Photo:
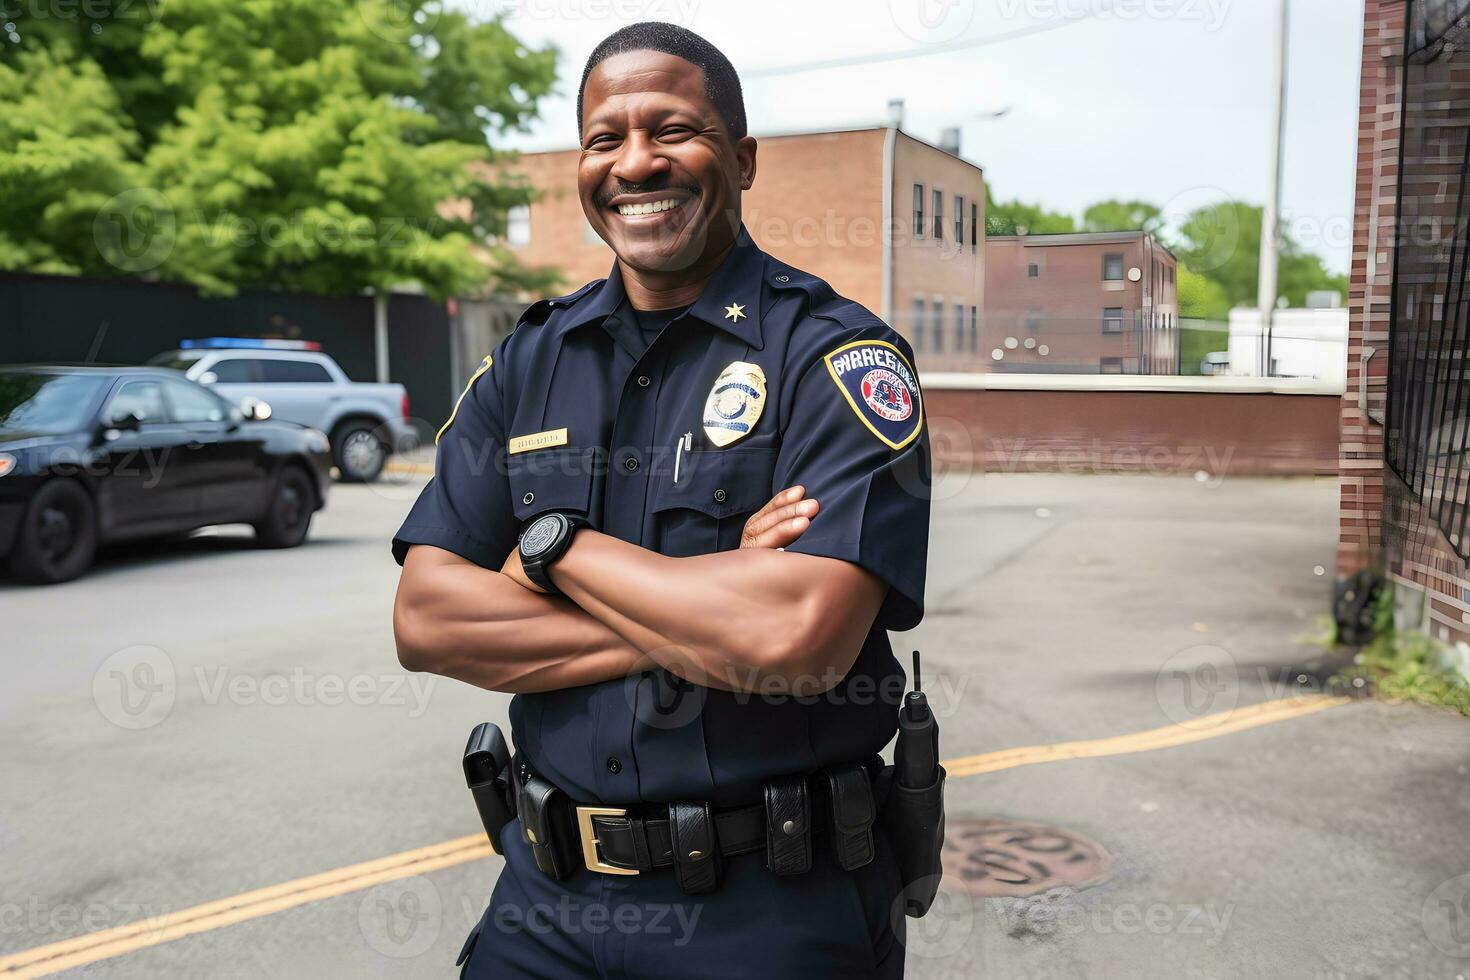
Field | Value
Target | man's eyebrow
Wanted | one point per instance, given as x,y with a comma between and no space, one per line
604,113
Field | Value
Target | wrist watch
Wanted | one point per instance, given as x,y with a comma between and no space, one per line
543,541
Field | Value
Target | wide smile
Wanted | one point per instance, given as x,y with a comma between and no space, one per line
629,210
646,209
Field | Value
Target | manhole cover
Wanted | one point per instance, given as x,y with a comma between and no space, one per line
1009,858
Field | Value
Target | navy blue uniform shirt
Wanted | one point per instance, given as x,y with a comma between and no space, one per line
768,381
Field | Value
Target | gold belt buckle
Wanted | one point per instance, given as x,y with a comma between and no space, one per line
590,856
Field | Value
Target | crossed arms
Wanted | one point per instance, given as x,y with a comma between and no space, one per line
757,618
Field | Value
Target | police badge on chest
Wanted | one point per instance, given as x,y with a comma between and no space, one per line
735,403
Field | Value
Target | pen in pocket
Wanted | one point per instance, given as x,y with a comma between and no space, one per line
684,445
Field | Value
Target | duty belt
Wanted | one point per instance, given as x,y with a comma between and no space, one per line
693,836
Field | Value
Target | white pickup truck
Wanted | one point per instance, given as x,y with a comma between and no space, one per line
365,422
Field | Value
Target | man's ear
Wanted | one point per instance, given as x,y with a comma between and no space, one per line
745,156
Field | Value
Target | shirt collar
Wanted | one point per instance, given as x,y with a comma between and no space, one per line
731,300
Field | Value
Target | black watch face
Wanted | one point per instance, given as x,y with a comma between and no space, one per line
539,536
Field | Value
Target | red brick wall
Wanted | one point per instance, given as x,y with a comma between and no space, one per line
1218,433
1371,289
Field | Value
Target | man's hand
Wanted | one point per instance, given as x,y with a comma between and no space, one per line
781,521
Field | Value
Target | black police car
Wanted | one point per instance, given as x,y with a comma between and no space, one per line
93,455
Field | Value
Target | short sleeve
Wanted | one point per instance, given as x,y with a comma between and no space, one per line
466,508
857,441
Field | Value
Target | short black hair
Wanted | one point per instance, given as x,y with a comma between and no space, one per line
721,83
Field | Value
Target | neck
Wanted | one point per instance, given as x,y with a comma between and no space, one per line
665,291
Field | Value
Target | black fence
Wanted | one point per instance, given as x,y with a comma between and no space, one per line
49,319
1428,418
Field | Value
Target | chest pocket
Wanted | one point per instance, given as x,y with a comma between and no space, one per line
552,479
717,490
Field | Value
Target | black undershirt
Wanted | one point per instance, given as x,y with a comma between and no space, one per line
652,322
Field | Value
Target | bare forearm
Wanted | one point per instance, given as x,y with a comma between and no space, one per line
457,619
752,619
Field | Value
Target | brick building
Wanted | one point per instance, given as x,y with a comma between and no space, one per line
1405,488
894,222
1101,303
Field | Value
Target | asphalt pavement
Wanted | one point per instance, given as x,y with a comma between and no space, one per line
196,719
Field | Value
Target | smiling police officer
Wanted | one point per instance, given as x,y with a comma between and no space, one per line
676,512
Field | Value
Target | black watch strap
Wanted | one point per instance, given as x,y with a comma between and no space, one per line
544,539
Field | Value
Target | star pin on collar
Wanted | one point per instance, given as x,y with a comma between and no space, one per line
734,312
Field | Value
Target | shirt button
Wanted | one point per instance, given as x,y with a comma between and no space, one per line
528,497
613,765
643,381
720,496
631,464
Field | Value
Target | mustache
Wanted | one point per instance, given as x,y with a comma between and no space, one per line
644,187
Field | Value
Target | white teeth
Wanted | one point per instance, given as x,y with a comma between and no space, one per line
654,208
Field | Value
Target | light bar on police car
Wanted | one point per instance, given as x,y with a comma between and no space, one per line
247,343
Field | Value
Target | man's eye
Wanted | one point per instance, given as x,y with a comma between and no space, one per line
602,142
674,134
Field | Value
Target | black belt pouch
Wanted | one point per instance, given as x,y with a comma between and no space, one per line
913,821
850,801
546,820
788,826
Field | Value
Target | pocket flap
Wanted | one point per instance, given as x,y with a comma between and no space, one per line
552,479
718,482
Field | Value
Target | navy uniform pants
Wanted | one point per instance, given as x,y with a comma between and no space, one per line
825,923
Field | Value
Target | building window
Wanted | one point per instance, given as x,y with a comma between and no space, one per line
959,220
974,225
1113,267
938,317
518,226
1113,319
939,216
918,210
959,326
974,331
1033,270
917,330
1110,365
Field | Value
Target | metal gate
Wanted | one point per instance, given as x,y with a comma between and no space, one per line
1428,416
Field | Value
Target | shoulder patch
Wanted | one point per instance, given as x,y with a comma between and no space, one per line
484,366
880,385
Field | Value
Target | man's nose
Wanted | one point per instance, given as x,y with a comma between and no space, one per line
639,159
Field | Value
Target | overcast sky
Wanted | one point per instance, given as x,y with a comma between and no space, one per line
1162,100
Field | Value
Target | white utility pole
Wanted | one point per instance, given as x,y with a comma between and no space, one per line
1266,286
380,333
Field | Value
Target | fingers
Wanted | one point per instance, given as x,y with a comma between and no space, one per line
782,534
788,496
763,522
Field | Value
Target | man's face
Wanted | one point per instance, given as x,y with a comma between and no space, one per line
660,178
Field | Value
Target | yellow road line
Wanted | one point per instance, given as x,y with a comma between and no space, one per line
108,943
45,960
420,469
1206,726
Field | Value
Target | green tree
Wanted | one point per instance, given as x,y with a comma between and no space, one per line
326,145
1121,216
65,150
1223,242
1017,218
1200,297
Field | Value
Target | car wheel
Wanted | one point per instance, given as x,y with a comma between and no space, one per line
58,535
288,516
358,452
